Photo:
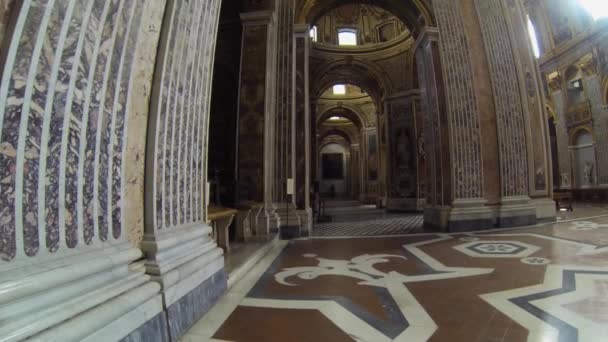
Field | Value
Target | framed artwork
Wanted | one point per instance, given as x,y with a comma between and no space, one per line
332,165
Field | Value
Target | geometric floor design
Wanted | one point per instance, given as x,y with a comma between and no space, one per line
388,225
545,283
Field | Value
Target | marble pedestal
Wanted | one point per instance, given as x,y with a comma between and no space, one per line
274,219
306,222
402,204
515,212
437,217
470,215
262,223
545,209
189,266
76,295
256,210
290,222
243,224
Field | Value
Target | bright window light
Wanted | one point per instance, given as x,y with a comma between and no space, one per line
347,37
597,8
336,118
533,38
339,89
313,33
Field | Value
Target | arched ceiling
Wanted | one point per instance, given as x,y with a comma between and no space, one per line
347,71
342,111
414,13
337,132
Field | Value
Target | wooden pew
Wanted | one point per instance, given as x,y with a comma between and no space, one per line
220,219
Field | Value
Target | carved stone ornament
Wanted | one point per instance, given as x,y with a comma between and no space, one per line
554,80
587,65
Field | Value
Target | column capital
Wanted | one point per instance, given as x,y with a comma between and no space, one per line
428,34
301,30
258,17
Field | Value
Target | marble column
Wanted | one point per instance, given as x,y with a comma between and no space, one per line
436,132
257,108
402,173
302,127
592,84
535,116
371,170
420,154
564,162
464,118
355,170
180,254
67,269
290,225
383,156
512,117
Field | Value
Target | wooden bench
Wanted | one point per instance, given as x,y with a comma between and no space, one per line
220,219
561,198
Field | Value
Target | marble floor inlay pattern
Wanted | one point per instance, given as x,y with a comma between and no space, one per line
387,224
543,283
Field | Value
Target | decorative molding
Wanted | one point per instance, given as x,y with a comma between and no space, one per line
555,81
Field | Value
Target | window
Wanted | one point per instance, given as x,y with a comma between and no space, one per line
597,8
336,118
314,33
347,37
339,89
533,38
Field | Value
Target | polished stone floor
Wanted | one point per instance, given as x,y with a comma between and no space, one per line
352,218
544,283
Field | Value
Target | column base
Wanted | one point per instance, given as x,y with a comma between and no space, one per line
306,219
515,212
155,330
95,296
243,223
545,209
470,215
187,310
437,218
190,268
274,219
402,204
290,222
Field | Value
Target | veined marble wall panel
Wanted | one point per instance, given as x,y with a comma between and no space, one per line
402,175
593,89
510,117
138,109
564,162
300,149
251,113
285,96
532,96
6,6
463,114
62,110
181,111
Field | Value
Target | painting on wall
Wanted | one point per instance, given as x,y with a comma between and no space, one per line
560,23
332,165
372,157
404,163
